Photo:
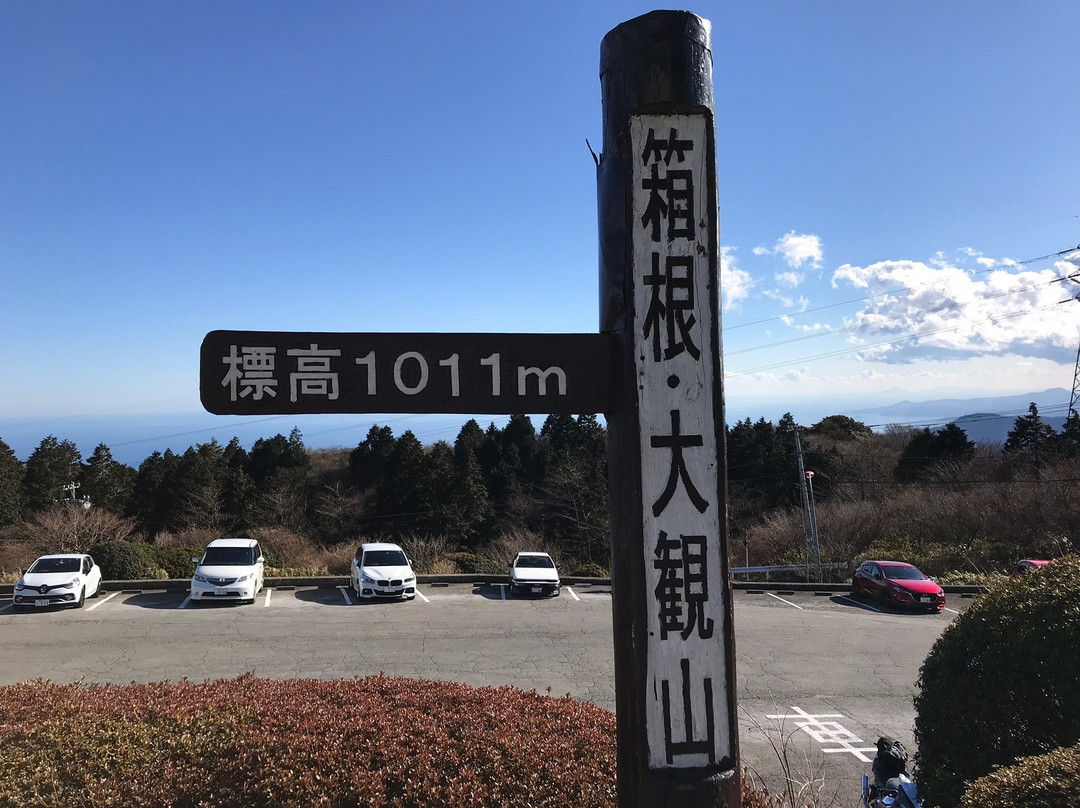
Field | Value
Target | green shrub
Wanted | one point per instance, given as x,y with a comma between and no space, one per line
124,561
1002,681
588,570
473,564
1047,781
127,561
176,561
235,743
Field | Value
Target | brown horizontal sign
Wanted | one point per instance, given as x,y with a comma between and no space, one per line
278,372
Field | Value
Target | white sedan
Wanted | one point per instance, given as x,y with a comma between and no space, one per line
66,579
533,573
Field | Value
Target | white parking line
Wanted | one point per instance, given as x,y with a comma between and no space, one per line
502,590
267,601
420,595
345,594
184,605
860,603
570,589
100,602
951,610
7,608
788,602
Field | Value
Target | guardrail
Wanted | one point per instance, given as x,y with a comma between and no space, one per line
333,581
800,568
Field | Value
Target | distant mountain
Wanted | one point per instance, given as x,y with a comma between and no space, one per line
1050,402
984,419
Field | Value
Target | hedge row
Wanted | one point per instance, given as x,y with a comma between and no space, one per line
127,561
1001,682
251,742
1047,781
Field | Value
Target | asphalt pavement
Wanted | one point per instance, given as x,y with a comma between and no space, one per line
819,675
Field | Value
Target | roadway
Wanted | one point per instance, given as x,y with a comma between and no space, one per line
821,674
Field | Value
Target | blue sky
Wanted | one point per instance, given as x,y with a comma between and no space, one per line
887,173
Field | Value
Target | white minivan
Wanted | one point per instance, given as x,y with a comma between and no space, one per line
230,569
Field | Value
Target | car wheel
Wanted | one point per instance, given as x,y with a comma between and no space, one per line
82,598
97,591
855,591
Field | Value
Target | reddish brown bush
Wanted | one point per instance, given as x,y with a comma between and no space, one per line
252,742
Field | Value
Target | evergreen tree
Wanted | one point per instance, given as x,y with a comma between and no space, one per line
1030,436
368,462
235,456
107,483
928,450
154,502
12,498
1067,443
53,465
403,499
270,454
839,428
469,439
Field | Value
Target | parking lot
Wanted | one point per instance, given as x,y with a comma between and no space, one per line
826,672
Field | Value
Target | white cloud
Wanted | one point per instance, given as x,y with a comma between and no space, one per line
916,310
798,248
735,283
791,279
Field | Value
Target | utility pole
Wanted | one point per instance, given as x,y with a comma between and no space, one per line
808,520
815,547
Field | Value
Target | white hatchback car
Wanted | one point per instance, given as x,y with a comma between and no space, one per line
534,573
65,579
381,570
230,569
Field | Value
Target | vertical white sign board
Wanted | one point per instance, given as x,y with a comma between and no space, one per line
677,363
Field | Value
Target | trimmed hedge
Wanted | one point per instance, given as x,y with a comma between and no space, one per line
127,561
243,742
1046,781
1001,682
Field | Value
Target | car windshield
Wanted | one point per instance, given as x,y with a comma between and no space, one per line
228,557
385,558
903,574
534,561
56,565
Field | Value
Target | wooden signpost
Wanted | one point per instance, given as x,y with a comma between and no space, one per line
654,370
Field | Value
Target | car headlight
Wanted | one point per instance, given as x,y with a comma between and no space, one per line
364,579
20,584
199,578
243,578
70,584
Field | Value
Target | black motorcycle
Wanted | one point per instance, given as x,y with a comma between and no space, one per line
891,786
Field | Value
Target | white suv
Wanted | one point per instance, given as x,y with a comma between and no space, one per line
382,571
230,569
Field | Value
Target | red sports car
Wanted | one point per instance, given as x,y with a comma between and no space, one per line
897,584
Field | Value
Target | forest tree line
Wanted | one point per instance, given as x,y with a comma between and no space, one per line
931,496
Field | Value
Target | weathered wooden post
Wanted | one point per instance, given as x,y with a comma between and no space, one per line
660,301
